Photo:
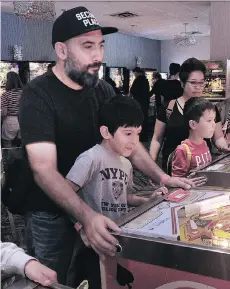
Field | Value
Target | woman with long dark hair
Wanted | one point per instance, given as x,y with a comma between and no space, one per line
10,107
169,129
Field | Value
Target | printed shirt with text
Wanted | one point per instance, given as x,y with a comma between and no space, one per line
200,156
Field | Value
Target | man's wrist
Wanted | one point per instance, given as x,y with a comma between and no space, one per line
164,179
78,226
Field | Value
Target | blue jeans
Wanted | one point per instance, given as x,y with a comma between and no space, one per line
51,238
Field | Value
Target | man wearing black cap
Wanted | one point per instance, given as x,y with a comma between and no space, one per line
58,119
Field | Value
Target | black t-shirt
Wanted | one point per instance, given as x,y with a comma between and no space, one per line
52,112
172,89
140,90
158,90
176,131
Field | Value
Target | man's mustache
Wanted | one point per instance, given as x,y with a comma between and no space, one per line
94,65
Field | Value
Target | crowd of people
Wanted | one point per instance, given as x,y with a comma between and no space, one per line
81,141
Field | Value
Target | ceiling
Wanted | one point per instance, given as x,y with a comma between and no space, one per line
156,20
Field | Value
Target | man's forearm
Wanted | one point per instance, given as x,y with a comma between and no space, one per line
142,161
58,189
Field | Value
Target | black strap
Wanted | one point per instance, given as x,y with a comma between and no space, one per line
179,105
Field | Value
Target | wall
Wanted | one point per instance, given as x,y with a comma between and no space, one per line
121,49
220,30
35,38
171,53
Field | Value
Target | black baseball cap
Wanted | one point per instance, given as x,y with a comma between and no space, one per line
74,22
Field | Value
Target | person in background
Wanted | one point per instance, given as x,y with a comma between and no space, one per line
113,84
14,261
140,92
193,153
50,65
10,108
59,121
172,88
224,110
157,90
103,175
169,128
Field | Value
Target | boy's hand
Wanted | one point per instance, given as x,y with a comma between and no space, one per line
159,191
39,273
97,235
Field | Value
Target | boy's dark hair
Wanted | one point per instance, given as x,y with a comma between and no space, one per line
194,109
190,65
120,111
174,68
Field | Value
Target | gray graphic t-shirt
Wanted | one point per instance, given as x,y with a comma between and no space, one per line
104,179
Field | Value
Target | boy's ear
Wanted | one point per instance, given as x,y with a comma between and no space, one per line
105,132
192,124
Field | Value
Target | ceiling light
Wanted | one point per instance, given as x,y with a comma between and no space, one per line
185,38
39,10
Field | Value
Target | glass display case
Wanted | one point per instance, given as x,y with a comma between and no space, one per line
149,75
117,74
164,75
215,80
131,78
37,68
5,67
101,72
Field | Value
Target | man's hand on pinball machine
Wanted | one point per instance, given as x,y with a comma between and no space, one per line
97,234
185,183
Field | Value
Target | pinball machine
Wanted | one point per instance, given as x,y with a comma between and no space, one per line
178,241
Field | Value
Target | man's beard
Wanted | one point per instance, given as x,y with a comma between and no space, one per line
82,77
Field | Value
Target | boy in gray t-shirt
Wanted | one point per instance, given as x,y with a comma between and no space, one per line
103,175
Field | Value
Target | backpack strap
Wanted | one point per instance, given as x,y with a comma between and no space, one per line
169,109
189,154
171,156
